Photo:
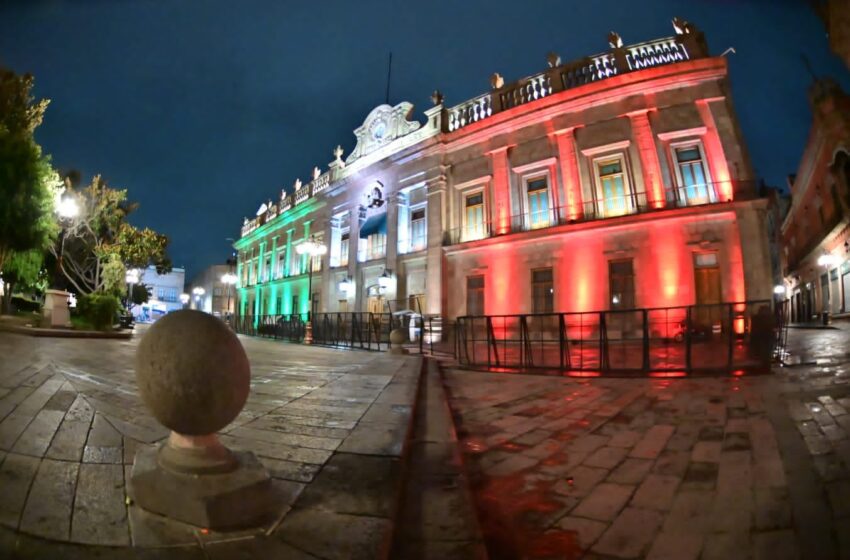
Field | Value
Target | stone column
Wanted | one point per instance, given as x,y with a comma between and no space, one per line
434,257
717,164
273,271
353,250
500,220
287,267
568,163
261,264
645,141
392,231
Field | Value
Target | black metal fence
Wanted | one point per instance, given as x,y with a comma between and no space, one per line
366,331
728,336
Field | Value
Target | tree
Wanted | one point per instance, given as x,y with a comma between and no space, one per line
96,247
140,294
26,177
22,271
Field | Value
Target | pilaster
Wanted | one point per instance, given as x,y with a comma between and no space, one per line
717,163
436,192
501,212
645,140
568,164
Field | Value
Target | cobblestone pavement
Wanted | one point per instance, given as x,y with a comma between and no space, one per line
329,425
711,468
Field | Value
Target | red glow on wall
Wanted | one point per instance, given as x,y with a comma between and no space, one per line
501,191
648,158
570,174
717,164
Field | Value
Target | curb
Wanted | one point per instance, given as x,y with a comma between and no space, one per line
65,333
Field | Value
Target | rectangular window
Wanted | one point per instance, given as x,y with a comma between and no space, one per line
281,264
538,203
621,284
418,230
475,295
294,262
614,191
473,220
267,269
376,246
542,291
343,249
692,176
295,309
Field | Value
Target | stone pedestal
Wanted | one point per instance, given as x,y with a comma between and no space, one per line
397,338
55,308
194,376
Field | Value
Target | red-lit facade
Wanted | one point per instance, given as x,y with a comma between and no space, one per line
617,181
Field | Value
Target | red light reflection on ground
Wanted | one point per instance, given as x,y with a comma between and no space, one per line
668,374
583,374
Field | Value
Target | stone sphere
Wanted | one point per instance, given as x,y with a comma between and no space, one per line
192,372
397,337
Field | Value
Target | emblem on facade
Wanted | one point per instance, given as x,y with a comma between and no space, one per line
383,125
374,196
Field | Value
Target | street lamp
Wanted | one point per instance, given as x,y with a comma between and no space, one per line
131,277
184,298
312,248
66,209
198,291
228,279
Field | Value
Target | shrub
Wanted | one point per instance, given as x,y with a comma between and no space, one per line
25,305
99,309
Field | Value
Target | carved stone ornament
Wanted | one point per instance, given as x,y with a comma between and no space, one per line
338,153
437,97
614,40
383,125
316,173
297,184
553,59
496,80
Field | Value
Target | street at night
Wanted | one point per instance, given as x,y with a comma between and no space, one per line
561,280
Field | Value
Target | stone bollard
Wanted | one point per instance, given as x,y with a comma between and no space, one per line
397,338
194,376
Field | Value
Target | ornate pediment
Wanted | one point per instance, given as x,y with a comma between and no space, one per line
383,125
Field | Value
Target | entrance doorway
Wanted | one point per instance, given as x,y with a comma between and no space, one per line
375,302
708,291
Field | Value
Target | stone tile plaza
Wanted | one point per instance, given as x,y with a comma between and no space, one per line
599,312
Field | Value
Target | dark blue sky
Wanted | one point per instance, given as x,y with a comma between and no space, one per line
205,109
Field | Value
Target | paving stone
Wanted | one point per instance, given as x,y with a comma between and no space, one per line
606,457
370,439
48,509
727,546
656,492
70,438
772,509
334,536
690,513
672,463
289,470
673,546
775,545
100,516
631,471
97,454
36,438
12,427
652,443
604,502
706,452
353,484
257,548
630,535
511,465
584,480
152,530
102,433
626,438
700,476
587,531
16,475
299,440
736,441
732,512
839,497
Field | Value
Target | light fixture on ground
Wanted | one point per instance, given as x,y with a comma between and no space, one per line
311,248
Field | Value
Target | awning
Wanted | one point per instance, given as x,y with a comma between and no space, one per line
374,224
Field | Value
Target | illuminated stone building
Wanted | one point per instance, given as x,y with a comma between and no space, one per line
616,181
816,230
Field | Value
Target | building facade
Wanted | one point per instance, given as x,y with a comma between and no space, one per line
218,297
618,181
164,293
816,230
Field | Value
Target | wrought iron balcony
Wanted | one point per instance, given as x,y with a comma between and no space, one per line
600,209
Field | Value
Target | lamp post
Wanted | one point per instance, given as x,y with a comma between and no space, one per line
66,209
311,248
228,279
184,299
132,277
198,292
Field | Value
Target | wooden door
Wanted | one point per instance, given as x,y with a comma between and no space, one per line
708,291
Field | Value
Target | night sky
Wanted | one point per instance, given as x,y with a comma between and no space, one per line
205,109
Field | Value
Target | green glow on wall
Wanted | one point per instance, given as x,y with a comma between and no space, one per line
291,215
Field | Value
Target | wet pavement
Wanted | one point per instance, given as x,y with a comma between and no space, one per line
329,425
710,468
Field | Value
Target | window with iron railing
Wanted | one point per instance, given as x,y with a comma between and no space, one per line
538,203
694,186
418,230
473,219
615,194
375,247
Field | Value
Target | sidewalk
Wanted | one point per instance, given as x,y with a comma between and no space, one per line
330,426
